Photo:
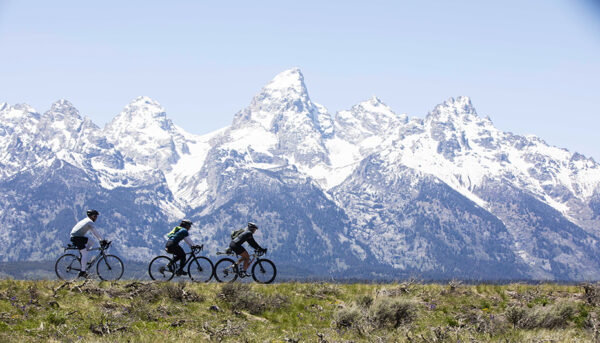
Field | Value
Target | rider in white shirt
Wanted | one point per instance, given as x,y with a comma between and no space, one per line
82,243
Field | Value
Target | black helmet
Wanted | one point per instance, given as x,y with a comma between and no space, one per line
186,224
251,225
92,213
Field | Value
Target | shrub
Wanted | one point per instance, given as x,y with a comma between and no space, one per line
592,293
241,296
179,293
392,312
558,316
541,317
364,301
514,315
348,317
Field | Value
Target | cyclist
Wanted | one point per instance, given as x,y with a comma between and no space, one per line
241,238
82,243
175,236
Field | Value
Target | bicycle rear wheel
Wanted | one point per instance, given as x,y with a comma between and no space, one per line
67,267
264,271
226,270
160,269
200,269
110,268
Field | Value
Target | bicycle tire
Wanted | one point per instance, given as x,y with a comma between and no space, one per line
200,269
67,267
266,272
225,270
158,269
110,268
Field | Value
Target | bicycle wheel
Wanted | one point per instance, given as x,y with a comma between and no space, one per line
160,269
67,267
226,270
264,271
110,268
200,269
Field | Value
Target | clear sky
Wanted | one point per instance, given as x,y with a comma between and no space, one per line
532,66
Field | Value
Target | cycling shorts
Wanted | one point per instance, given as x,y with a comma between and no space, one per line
238,249
79,241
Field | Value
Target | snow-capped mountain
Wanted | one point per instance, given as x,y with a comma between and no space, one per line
364,192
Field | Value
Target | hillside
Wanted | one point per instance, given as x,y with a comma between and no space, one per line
52,311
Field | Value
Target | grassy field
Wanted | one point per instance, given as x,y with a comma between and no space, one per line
133,311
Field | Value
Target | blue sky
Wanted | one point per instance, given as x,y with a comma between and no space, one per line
532,66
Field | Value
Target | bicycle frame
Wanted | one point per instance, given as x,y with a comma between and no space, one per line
235,266
228,270
92,260
189,256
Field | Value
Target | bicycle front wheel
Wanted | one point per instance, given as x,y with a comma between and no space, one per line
110,268
200,269
67,267
226,270
264,271
160,269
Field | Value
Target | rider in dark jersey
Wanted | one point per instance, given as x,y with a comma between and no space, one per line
175,236
245,236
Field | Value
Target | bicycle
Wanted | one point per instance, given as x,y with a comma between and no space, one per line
200,268
108,267
228,270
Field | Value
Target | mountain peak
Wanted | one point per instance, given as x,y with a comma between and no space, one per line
64,107
141,113
144,107
461,105
285,96
453,108
366,119
288,79
143,100
374,104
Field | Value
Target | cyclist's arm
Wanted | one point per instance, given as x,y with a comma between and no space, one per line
95,233
253,243
189,241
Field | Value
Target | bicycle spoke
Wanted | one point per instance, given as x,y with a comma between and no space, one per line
225,270
160,269
67,267
200,269
110,268
264,271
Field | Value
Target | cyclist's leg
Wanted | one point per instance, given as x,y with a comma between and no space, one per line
179,253
90,243
246,259
240,251
80,243
88,247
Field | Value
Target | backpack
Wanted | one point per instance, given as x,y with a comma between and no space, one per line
174,231
236,233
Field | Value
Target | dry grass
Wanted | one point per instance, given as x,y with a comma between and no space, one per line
92,311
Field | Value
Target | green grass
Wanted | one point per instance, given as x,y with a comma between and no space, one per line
129,311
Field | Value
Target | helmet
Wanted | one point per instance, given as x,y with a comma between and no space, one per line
92,213
251,225
186,224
